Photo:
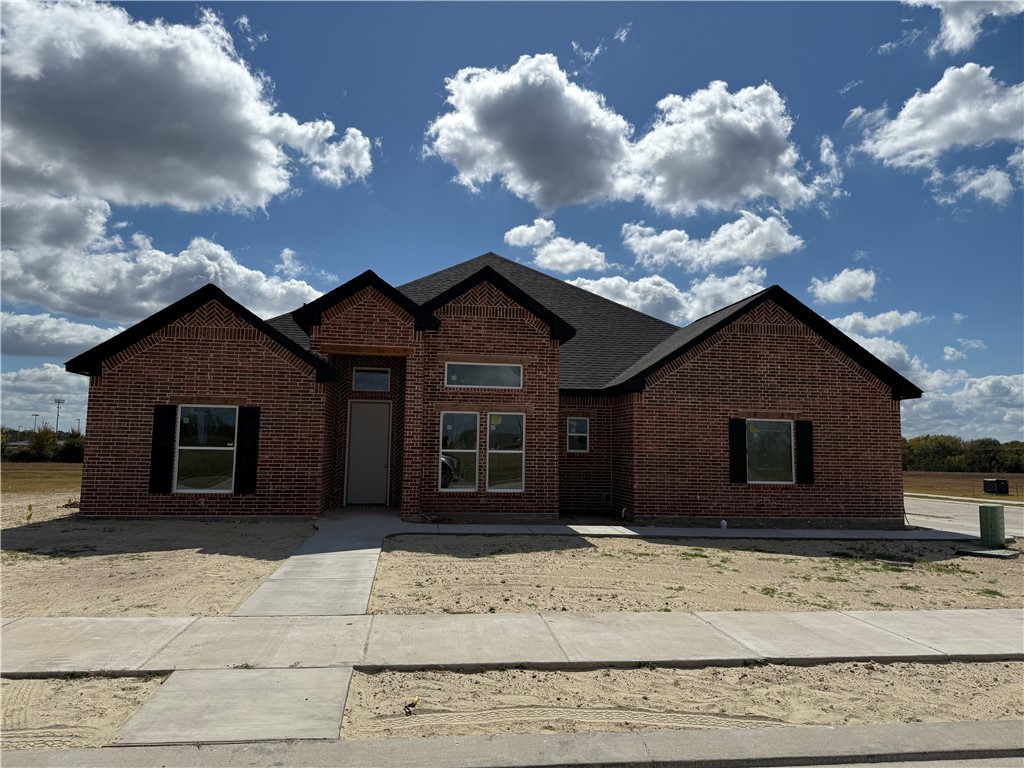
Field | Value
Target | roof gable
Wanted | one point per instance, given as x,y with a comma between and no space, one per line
311,314
634,377
90,362
558,328
609,336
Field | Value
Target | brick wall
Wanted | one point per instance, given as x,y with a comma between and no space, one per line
207,357
484,325
767,365
585,479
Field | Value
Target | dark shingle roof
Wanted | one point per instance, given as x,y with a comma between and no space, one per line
609,337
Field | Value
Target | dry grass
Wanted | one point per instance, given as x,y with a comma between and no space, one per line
967,485
41,478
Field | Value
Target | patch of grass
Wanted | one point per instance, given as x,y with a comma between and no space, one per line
910,587
990,593
693,554
769,591
951,569
40,478
962,484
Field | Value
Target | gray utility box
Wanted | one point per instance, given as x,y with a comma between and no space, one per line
996,486
993,527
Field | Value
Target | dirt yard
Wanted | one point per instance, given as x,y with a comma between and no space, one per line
965,484
528,574
55,563
70,713
525,701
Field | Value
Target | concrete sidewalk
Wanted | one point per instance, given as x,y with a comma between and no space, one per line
998,743
279,668
56,646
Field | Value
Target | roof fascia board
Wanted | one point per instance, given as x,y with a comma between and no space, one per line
311,314
558,328
90,362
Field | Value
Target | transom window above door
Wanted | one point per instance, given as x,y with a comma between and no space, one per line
371,380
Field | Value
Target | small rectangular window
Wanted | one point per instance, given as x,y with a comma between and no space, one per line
458,453
578,434
505,451
769,451
483,375
205,451
371,380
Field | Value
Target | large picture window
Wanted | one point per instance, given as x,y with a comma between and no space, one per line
769,451
483,375
205,455
458,459
779,451
505,451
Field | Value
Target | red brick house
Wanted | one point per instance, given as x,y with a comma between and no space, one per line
490,390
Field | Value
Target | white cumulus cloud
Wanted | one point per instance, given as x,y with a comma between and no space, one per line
527,235
660,297
848,285
952,353
96,104
33,390
554,143
884,322
991,184
560,254
547,139
966,108
961,21
44,335
131,283
715,150
954,403
748,240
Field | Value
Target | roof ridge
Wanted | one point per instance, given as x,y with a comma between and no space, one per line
566,283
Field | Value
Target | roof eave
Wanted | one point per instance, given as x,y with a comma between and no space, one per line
311,314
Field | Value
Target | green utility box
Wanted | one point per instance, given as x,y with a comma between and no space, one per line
993,528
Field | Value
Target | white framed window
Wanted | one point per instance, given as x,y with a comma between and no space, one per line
371,380
458,451
204,454
577,434
490,375
770,453
506,455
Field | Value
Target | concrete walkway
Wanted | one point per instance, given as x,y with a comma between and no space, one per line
279,668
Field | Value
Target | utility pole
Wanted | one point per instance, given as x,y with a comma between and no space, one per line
59,401
78,425
34,417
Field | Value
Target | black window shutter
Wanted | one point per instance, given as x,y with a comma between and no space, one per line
161,455
804,453
247,450
737,450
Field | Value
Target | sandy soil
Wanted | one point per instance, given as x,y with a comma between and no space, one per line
67,713
526,574
525,701
55,563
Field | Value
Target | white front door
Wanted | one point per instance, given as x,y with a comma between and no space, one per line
369,443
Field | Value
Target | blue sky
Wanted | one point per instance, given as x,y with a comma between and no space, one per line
673,156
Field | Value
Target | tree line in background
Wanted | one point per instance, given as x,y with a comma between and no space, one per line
42,444
948,453
927,453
